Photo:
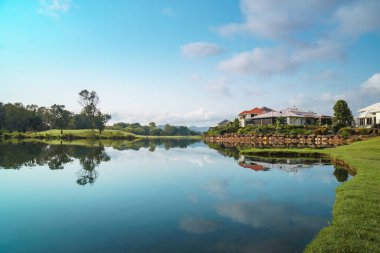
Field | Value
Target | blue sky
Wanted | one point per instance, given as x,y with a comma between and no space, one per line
190,62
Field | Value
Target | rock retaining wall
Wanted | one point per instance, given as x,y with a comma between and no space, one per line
278,140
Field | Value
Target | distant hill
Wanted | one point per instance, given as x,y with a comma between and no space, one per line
199,129
193,128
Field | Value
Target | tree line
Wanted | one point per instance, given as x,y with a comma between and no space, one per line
153,130
17,117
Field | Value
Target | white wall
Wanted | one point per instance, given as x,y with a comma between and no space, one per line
296,121
242,120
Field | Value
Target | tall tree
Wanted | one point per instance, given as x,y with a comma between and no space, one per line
60,116
342,114
89,102
101,120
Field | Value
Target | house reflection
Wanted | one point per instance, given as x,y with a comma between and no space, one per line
251,164
291,165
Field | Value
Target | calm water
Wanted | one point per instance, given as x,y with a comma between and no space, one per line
159,197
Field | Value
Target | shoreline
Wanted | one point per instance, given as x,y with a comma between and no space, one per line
356,216
86,134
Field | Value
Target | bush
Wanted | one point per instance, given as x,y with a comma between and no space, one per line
321,131
345,132
337,126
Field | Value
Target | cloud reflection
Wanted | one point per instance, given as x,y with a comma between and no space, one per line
217,188
264,214
198,225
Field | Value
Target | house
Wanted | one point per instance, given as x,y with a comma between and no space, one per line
369,116
290,116
245,117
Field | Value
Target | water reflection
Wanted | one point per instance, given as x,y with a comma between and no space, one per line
181,200
341,174
152,144
89,160
198,225
291,165
90,154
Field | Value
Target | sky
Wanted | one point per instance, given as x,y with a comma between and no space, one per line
190,62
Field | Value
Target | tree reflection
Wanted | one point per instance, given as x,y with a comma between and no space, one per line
152,144
89,161
341,174
17,155
59,155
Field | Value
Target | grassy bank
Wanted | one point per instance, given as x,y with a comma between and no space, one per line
88,134
356,212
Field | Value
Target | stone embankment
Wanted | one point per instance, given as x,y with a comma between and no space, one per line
278,140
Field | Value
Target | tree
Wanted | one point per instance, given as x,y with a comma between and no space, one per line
60,116
342,115
2,115
89,102
16,117
81,121
101,120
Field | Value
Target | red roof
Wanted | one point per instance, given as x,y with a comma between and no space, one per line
252,167
255,110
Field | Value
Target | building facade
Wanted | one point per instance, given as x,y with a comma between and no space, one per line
245,117
369,116
290,116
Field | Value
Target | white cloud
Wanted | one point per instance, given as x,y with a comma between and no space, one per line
372,85
357,97
260,61
271,61
283,19
277,19
200,49
310,31
54,8
198,117
322,103
319,50
358,18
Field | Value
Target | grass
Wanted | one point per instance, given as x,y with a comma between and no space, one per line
356,211
91,134
192,137
81,134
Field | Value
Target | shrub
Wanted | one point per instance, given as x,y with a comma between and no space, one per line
337,126
321,131
345,132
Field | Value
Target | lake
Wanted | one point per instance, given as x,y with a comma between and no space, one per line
159,196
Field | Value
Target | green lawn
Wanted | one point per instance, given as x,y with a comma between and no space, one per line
356,212
81,133
92,134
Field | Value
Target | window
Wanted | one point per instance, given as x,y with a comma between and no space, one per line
369,121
